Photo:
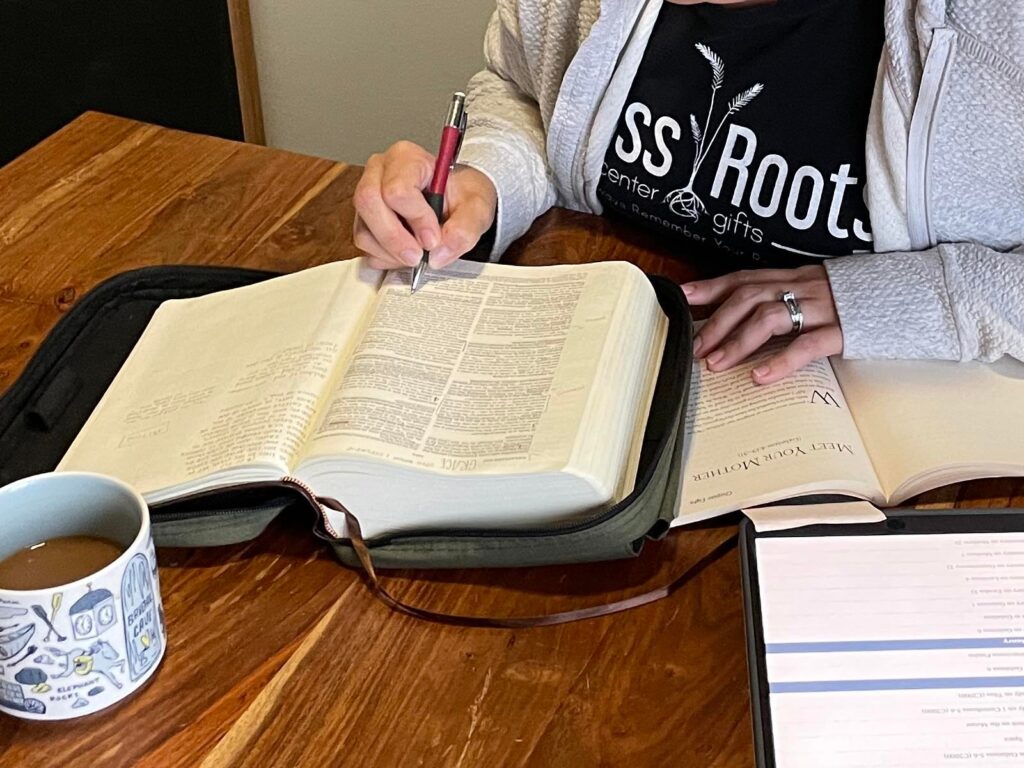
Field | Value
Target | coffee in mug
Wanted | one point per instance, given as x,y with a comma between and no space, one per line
58,561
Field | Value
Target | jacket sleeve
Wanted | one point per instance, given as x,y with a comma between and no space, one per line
506,137
958,301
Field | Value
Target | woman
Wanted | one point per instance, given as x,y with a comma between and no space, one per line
739,130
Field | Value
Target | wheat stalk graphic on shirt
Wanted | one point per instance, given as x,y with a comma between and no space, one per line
684,201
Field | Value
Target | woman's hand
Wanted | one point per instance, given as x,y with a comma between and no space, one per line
394,222
751,312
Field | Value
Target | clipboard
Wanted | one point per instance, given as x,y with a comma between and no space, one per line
899,522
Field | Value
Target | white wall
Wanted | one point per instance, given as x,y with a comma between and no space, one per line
345,78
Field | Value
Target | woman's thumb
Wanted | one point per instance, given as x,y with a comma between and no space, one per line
466,224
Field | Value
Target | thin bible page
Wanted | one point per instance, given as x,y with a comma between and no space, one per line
225,381
487,368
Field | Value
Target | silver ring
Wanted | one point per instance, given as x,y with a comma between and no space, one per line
795,313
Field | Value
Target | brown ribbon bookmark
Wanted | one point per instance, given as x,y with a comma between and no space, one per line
515,622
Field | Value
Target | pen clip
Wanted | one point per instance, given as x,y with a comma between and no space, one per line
463,119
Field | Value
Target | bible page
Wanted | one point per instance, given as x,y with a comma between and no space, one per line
485,369
749,444
937,422
225,381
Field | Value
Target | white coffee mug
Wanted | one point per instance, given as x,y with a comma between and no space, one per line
77,648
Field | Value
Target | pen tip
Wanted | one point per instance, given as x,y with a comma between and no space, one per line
417,277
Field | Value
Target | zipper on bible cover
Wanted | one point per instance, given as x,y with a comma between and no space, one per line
331,535
239,511
334,536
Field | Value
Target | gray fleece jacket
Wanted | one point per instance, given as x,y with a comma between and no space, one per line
945,158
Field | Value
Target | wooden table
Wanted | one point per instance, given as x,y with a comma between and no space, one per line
278,655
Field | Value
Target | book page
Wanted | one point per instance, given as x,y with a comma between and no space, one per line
228,380
918,417
782,517
487,368
749,444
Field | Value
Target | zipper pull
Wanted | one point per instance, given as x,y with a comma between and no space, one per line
313,499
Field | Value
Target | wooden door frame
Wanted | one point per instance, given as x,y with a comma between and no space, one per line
246,71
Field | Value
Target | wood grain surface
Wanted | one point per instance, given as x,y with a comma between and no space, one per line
277,655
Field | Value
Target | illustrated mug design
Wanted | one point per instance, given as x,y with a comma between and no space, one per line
142,635
78,648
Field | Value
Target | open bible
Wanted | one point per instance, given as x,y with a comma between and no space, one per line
878,430
496,396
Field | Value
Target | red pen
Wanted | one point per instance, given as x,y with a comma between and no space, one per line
451,140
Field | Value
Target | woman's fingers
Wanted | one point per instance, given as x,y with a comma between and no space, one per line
394,224
805,348
766,321
389,201
808,283
751,313
383,223
736,308
469,217
715,290
407,172
379,258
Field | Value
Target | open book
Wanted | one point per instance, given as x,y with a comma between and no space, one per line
878,430
495,396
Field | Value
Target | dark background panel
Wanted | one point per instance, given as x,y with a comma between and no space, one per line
168,62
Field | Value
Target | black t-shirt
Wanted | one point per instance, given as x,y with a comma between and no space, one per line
743,133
